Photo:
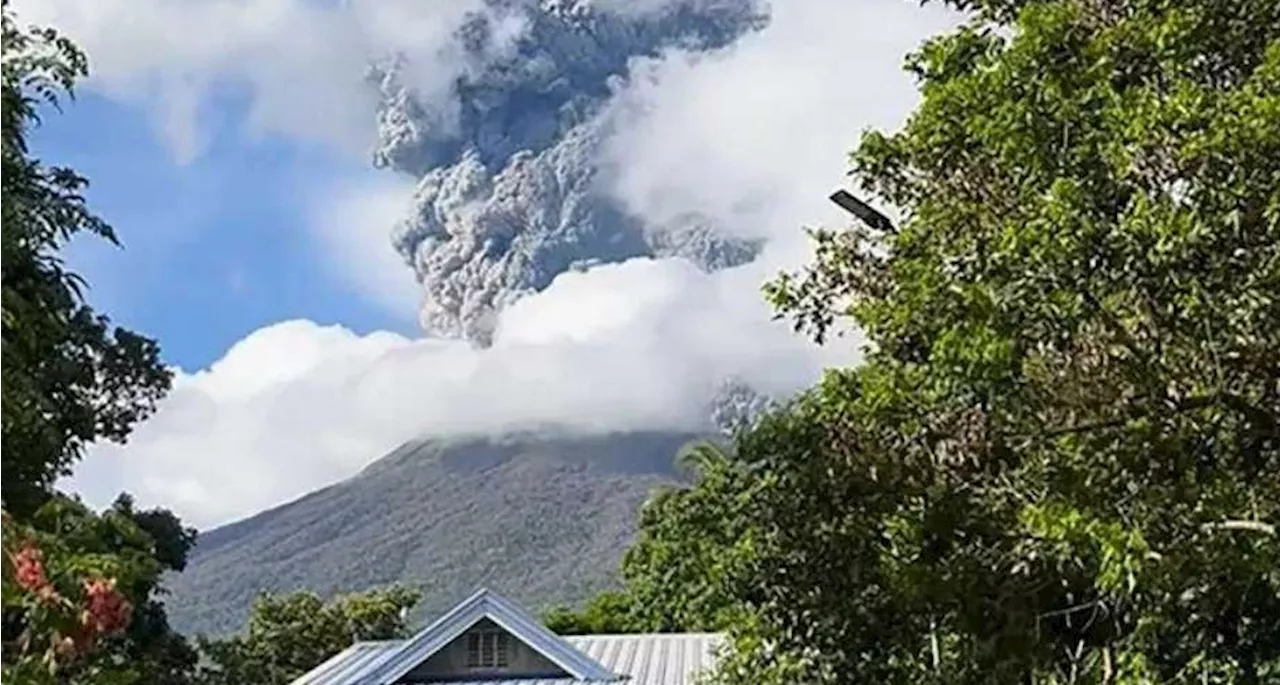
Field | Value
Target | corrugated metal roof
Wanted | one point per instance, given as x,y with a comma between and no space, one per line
533,681
353,664
651,659
646,659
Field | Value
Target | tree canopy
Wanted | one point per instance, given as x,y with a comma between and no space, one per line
1058,463
288,635
81,590
65,560
690,542
70,377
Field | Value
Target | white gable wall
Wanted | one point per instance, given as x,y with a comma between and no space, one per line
450,663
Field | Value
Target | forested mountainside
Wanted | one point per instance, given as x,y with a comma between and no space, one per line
543,518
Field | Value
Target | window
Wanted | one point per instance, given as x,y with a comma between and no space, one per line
488,649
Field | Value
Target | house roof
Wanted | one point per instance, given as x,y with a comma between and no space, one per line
642,659
646,659
652,658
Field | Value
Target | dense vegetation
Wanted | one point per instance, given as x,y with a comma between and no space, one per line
80,589
1059,462
288,635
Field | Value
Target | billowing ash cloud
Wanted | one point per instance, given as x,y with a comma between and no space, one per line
508,195
736,406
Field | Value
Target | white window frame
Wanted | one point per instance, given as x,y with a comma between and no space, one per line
488,649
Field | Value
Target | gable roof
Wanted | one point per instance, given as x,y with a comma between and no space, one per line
640,659
382,663
486,604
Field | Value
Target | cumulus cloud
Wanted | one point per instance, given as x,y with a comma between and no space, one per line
299,65
297,405
755,136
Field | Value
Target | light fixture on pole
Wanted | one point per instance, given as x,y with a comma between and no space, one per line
865,212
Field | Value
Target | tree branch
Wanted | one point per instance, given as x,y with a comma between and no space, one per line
1237,524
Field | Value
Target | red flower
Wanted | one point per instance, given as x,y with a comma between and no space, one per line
28,566
106,610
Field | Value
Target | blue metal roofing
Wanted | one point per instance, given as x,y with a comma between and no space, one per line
352,665
652,658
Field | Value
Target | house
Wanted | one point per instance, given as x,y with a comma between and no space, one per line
489,639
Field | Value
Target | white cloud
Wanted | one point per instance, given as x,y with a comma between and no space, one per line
299,64
296,405
756,137
351,222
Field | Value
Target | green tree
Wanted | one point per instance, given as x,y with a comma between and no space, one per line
151,542
1059,462
607,613
81,590
58,607
289,635
691,540
69,377
50,563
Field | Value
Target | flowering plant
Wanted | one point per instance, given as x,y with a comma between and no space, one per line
58,606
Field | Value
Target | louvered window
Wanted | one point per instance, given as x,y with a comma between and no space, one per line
488,649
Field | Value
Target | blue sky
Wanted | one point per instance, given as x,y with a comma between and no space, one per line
213,249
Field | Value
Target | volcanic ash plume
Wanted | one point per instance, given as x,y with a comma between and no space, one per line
509,161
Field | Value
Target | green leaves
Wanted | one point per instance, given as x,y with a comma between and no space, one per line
288,635
1061,534
606,613
79,598
70,377
1071,369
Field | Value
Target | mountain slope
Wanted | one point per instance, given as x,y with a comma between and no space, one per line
543,518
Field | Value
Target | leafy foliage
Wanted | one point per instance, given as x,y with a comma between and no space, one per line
69,377
153,542
607,613
61,606
691,540
678,583
1058,463
80,595
81,590
289,635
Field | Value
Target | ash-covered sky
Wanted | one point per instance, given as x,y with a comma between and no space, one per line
230,143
